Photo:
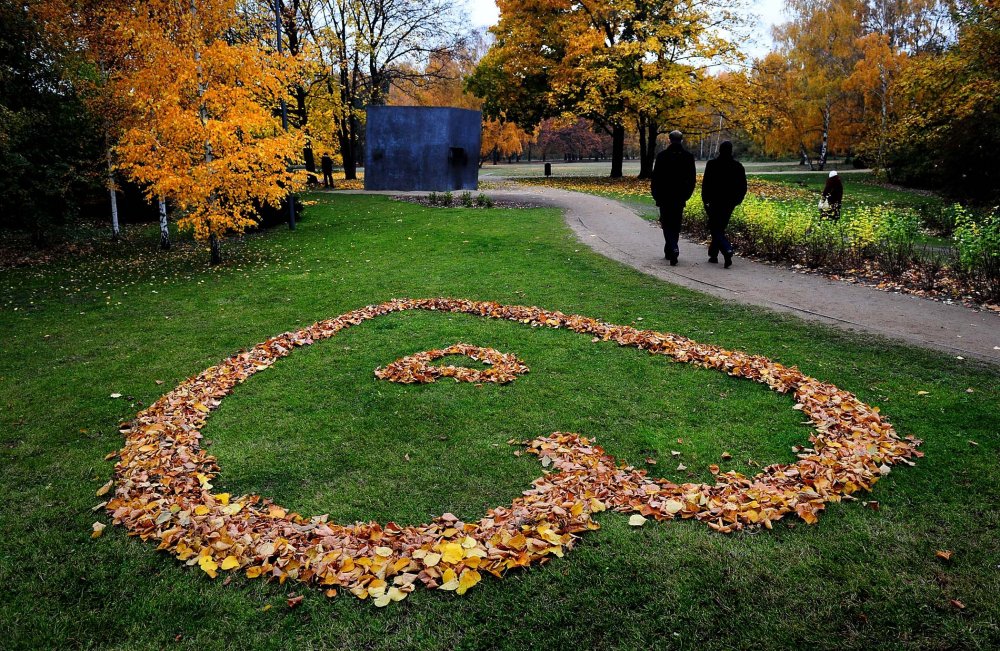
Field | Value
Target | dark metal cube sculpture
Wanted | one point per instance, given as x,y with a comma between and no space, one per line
422,148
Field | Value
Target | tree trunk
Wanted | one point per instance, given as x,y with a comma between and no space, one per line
647,155
115,229
824,144
216,247
642,148
164,231
883,133
617,150
805,160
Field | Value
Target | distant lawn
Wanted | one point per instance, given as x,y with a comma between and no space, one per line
320,434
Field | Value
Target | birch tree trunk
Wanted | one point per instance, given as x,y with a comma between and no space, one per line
112,185
164,231
824,145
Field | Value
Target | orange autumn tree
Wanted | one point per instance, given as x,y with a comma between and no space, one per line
207,137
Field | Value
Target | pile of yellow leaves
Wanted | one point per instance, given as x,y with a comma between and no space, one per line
417,368
163,481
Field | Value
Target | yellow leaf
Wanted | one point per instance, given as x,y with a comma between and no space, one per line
201,509
431,559
637,520
223,497
254,572
208,564
452,553
383,551
468,543
673,506
377,587
449,580
230,562
469,578
105,488
98,529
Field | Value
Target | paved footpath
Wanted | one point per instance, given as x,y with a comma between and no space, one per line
617,232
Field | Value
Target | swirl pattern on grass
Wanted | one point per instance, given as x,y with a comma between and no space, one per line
163,489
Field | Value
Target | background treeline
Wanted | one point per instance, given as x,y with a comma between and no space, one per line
188,111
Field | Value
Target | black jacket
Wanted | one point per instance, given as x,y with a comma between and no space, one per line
833,190
326,163
673,176
724,184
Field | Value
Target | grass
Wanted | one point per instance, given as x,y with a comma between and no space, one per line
320,434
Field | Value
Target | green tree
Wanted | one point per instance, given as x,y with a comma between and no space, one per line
49,155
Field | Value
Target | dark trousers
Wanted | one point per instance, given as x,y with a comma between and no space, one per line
328,179
671,217
718,222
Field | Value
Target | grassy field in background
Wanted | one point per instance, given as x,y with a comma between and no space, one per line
321,435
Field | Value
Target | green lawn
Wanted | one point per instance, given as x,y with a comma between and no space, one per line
320,434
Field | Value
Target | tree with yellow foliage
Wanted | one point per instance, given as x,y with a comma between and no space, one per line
616,62
207,137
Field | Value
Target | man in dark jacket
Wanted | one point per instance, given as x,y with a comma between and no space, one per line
326,163
722,189
672,185
833,192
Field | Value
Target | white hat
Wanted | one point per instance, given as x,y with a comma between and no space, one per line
833,174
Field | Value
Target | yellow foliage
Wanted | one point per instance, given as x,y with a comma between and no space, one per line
207,137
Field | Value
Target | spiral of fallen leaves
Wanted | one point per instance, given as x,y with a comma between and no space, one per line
417,368
163,490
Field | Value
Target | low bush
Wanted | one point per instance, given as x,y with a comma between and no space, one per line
977,250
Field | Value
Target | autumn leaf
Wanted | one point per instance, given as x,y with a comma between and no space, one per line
468,579
449,580
944,555
294,601
230,562
452,553
208,564
105,488
636,520
98,529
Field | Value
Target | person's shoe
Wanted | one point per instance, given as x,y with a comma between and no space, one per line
729,260
714,259
673,260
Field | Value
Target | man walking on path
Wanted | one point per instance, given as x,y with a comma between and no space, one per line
672,185
722,189
326,163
